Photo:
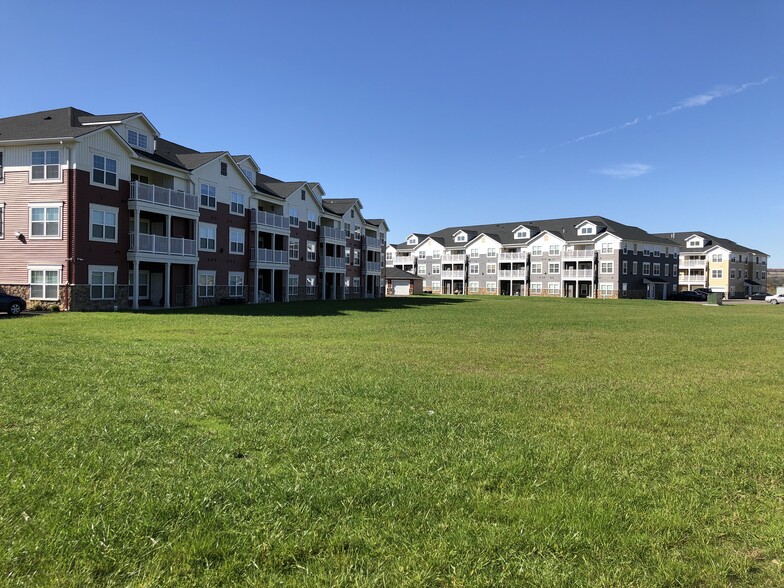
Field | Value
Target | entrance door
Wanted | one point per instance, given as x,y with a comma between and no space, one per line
651,291
583,290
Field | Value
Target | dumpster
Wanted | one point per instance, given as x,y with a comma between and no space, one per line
715,298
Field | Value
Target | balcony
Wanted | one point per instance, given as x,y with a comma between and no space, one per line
578,253
158,245
332,235
700,279
511,274
402,260
163,197
585,274
333,263
372,267
514,256
371,243
260,219
453,274
276,257
450,258
695,263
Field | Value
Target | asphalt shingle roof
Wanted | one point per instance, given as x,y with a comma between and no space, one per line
710,241
338,205
59,123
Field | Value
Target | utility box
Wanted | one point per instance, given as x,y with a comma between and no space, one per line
715,298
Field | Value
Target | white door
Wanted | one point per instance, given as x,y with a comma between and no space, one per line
401,288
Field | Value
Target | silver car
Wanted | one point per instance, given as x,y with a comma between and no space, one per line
775,298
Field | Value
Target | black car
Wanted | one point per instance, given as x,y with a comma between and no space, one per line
13,305
758,296
690,296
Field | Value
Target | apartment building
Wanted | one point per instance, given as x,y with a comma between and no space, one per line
101,212
581,257
707,261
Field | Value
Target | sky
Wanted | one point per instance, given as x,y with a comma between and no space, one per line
667,115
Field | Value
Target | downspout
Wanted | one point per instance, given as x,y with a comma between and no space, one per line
71,244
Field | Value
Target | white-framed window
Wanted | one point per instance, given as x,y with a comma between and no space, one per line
586,230
536,288
293,285
536,250
625,268
605,290
553,268
142,179
717,273
555,250
646,249
473,287
473,268
536,267
44,282
411,240
492,252
357,232
390,256
310,252
294,249
435,285
237,241
236,284
104,171
348,256
45,165
717,258
237,205
461,238
207,236
137,139
656,269
347,283
491,268
208,198
625,247
606,267
45,220
312,221
206,284
356,256
421,270
694,243
293,216
656,250
103,281
422,254
357,285
250,174
666,269
436,269
103,223
144,284
347,229
310,285
491,287
2,220
437,254
473,253
521,234
646,268
553,288
607,247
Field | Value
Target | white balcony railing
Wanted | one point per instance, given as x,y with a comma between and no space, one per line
449,258
261,218
684,279
333,262
578,253
332,234
403,260
519,274
577,273
163,245
164,196
453,275
269,256
514,256
698,263
371,243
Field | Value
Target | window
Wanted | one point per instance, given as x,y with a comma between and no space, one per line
694,243
717,273
666,269
646,268
491,287
137,139
144,284
521,234
461,238
435,286
357,285
310,252
474,253
625,268
422,254
554,268
358,233
411,240
763,273
224,168
607,247
626,247
555,250
347,229
656,269
536,268
473,287
312,221
237,241
436,269
606,290
103,223
293,216
293,285
352,213
44,283
536,288
237,203
207,237
208,199
717,258
45,165
606,267
536,250
103,280
436,254
490,268
249,174
348,255
294,249
421,270
390,256
140,178
302,194
45,221
310,285
586,230
104,171
634,267
491,252
236,284
356,256
1,166
553,288
473,268
206,284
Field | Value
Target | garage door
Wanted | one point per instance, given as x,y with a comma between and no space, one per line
401,289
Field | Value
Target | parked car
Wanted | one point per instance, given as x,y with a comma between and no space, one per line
758,296
690,296
775,298
705,291
13,305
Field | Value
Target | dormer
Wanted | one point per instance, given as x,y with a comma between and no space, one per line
460,237
248,166
522,232
139,133
412,239
587,228
695,242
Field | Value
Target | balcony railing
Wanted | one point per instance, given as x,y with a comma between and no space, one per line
577,273
373,267
699,263
700,279
511,274
332,234
578,253
449,258
164,196
163,245
371,243
514,256
333,262
261,218
403,260
269,256
453,275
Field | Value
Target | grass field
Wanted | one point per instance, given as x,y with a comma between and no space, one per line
410,442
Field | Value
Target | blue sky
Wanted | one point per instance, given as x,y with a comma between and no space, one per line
667,115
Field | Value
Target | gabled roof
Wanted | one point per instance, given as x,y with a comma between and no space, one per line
61,123
393,273
92,119
710,241
340,205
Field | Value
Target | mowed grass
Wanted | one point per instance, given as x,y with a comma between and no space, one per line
431,441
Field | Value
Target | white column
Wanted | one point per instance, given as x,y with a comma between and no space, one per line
136,223
195,287
167,287
286,285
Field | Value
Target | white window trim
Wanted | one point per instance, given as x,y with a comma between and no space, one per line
233,204
46,180
608,264
137,143
241,243
102,208
294,246
308,251
44,268
207,274
103,269
116,185
214,239
209,185
145,283
293,284
310,285
241,285
44,205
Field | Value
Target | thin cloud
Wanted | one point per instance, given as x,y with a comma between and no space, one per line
692,102
625,171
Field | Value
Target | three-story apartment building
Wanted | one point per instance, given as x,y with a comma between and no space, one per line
101,212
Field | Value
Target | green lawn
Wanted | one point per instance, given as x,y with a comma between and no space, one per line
412,442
